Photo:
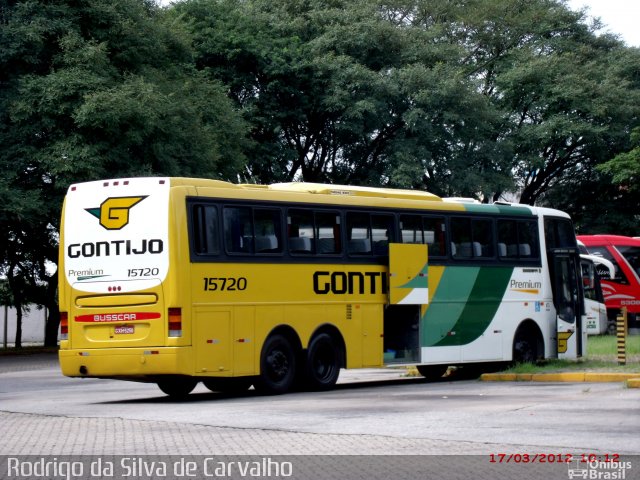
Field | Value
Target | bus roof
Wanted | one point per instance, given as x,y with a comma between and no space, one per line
327,189
333,194
605,239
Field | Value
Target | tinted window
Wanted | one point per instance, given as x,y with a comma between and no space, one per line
461,240
471,238
619,276
411,229
434,235
312,232
369,234
632,256
482,231
238,230
518,239
205,230
381,233
559,233
248,230
267,230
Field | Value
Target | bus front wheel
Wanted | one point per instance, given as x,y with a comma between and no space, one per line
526,345
432,372
323,362
177,387
277,366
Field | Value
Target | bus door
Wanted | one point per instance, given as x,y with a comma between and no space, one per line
595,309
568,300
408,291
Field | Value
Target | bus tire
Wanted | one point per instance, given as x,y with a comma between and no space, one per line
432,372
228,385
177,386
525,345
277,366
323,363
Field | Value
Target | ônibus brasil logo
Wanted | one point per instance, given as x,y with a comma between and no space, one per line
113,213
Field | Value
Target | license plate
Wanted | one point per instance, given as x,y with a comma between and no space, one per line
124,330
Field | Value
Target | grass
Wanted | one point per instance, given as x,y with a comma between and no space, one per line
601,357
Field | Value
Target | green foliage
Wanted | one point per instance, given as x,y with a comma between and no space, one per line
473,98
96,89
624,168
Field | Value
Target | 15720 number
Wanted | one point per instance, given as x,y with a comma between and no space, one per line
143,272
213,284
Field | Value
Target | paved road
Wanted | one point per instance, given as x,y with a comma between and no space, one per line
371,412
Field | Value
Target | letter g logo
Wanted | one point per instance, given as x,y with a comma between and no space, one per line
114,211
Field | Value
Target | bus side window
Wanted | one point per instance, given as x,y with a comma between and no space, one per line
411,229
238,230
268,230
328,233
507,239
381,233
359,233
482,230
619,276
205,230
434,235
461,242
528,239
300,231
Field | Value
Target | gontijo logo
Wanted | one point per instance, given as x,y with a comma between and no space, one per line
114,211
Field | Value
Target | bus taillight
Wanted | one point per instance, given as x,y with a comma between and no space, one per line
64,326
175,322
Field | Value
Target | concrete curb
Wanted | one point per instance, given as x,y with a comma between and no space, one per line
633,383
632,379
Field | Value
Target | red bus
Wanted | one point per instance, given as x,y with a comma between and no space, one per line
623,290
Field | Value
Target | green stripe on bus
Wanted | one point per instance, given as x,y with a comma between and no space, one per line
421,280
483,302
499,209
447,303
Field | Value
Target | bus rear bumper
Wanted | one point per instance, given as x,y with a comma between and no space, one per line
129,363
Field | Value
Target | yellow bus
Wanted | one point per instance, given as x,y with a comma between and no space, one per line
179,280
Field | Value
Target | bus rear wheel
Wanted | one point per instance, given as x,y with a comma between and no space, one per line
177,386
277,366
228,385
323,363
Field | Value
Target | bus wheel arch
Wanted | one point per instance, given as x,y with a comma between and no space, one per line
528,343
279,361
325,355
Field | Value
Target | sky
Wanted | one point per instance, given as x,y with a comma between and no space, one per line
619,16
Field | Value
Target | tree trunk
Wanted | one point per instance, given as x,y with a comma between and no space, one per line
18,343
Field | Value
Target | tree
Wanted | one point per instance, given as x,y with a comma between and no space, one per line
342,92
92,89
566,95
473,98
624,168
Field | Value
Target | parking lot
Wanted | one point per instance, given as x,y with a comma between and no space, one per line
370,413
